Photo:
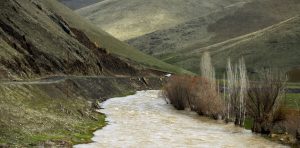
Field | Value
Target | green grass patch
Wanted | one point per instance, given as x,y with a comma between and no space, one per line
248,123
292,101
293,85
30,116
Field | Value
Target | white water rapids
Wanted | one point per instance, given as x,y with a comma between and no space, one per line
145,120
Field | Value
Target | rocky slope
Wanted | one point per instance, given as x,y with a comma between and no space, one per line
54,70
41,38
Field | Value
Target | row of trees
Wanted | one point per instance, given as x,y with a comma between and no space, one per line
259,99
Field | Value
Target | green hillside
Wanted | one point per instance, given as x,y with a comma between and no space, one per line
236,20
177,44
76,4
275,46
55,69
126,19
112,44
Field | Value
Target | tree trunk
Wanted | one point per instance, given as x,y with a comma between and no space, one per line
261,126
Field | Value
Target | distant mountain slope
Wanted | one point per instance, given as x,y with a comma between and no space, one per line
219,26
76,4
126,19
42,37
176,38
275,46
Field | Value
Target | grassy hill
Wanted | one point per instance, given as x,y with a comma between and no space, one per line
214,28
275,46
76,4
109,42
184,35
44,38
219,26
41,40
126,19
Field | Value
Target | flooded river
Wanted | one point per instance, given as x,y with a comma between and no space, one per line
145,120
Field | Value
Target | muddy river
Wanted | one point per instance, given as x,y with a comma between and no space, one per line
145,120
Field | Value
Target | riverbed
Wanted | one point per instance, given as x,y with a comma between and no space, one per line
146,120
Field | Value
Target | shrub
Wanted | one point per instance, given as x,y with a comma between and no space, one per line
265,99
195,93
179,91
288,120
207,101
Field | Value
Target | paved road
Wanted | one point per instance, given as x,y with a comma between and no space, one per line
59,79
53,79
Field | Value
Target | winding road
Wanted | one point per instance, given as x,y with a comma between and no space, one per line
54,79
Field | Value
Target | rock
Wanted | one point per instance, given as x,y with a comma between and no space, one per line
278,129
273,135
49,143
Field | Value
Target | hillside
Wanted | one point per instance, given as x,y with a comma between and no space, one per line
40,38
77,4
126,19
232,22
177,38
55,69
275,46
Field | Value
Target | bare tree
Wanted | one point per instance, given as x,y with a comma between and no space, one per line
265,96
237,82
207,69
243,80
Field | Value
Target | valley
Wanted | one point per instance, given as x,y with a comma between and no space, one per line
213,23
55,68
126,73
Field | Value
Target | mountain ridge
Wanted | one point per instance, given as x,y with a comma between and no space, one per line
45,38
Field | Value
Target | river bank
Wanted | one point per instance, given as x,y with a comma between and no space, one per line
57,112
144,119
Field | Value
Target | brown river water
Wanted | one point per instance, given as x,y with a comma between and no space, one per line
145,120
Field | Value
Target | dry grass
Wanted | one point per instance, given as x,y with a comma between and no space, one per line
179,91
288,118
